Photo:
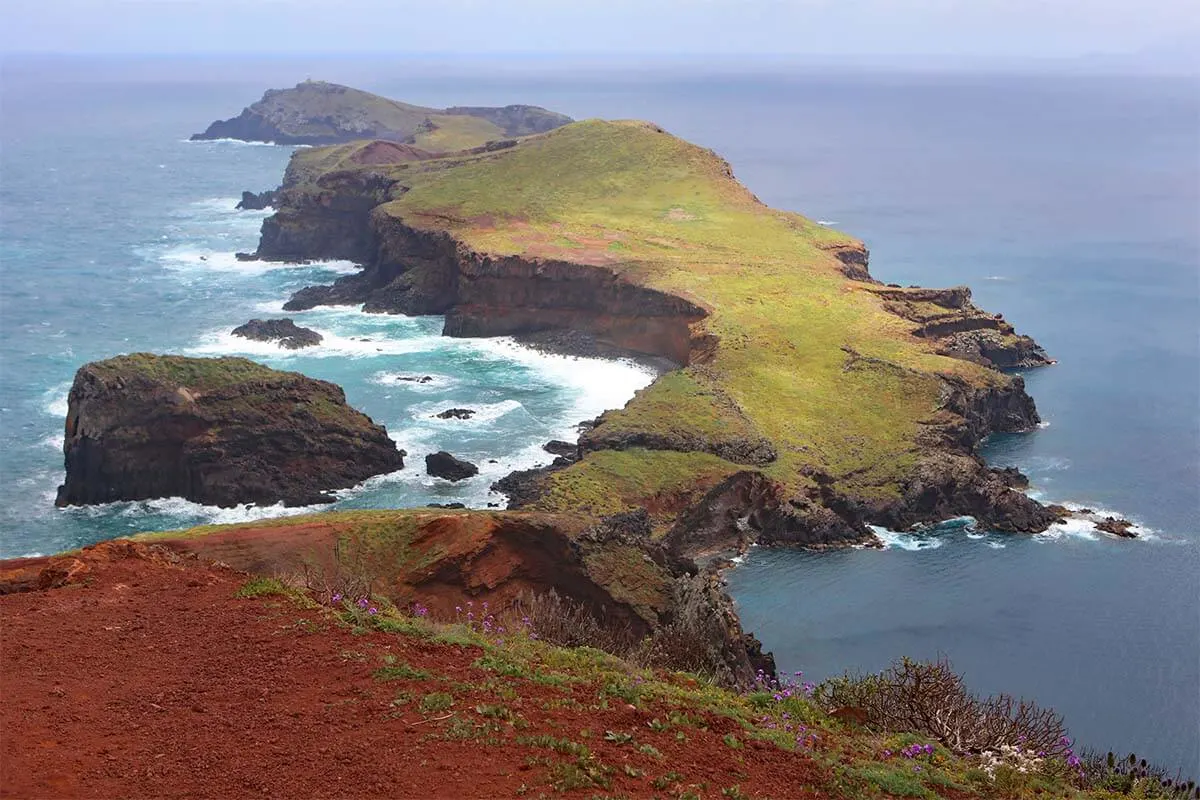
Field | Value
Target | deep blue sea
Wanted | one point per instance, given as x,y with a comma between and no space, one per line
1069,203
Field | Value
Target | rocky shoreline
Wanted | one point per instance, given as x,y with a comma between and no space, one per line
584,310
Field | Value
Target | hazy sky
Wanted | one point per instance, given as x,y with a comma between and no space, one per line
984,28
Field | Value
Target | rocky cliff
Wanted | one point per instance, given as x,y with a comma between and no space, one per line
608,569
316,112
808,399
216,431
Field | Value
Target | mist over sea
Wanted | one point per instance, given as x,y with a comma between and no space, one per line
1069,203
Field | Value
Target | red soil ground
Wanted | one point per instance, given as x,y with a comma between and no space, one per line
147,677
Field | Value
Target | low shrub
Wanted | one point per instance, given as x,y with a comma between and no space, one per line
929,698
1135,777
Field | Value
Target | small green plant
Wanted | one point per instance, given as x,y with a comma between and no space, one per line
263,587
732,742
650,750
735,793
666,781
494,711
399,672
436,702
619,737
894,781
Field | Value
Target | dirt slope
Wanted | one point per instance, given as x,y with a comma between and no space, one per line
146,677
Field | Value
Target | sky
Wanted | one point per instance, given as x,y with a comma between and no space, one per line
837,29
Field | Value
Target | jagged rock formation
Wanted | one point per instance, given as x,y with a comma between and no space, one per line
288,334
962,330
443,465
221,431
316,112
801,405
256,201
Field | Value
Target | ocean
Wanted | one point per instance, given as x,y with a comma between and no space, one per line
1069,203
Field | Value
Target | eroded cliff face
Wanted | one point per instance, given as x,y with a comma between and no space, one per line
414,271
961,329
608,567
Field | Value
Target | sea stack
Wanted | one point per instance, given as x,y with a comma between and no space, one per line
217,431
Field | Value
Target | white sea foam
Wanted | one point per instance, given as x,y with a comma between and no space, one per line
906,541
54,441
55,401
238,142
597,384
997,545
996,278
189,512
826,222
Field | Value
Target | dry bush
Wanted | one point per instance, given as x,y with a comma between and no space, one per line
567,623
351,576
930,698
690,642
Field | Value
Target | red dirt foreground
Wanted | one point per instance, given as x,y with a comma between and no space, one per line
132,671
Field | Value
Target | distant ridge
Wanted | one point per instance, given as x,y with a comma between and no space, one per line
317,112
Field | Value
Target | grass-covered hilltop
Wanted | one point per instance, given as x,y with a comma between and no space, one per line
317,112
808,398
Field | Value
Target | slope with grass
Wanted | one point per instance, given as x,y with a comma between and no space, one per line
792,362
203,681
317,112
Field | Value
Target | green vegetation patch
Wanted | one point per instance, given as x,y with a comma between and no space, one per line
184,371
444,133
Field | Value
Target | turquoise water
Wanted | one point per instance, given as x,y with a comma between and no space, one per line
1070,204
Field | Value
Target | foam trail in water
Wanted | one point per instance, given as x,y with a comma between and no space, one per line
220,343
189,258
190,513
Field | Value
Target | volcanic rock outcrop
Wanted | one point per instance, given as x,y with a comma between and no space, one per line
316,112
221,431
256,201
443,465
288,334
961,329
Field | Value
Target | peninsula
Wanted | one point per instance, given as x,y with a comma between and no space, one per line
316,112
582,640
807,401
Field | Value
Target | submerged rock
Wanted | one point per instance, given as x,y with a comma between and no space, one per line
217,431
443,465
1117,527
455,413
287,333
